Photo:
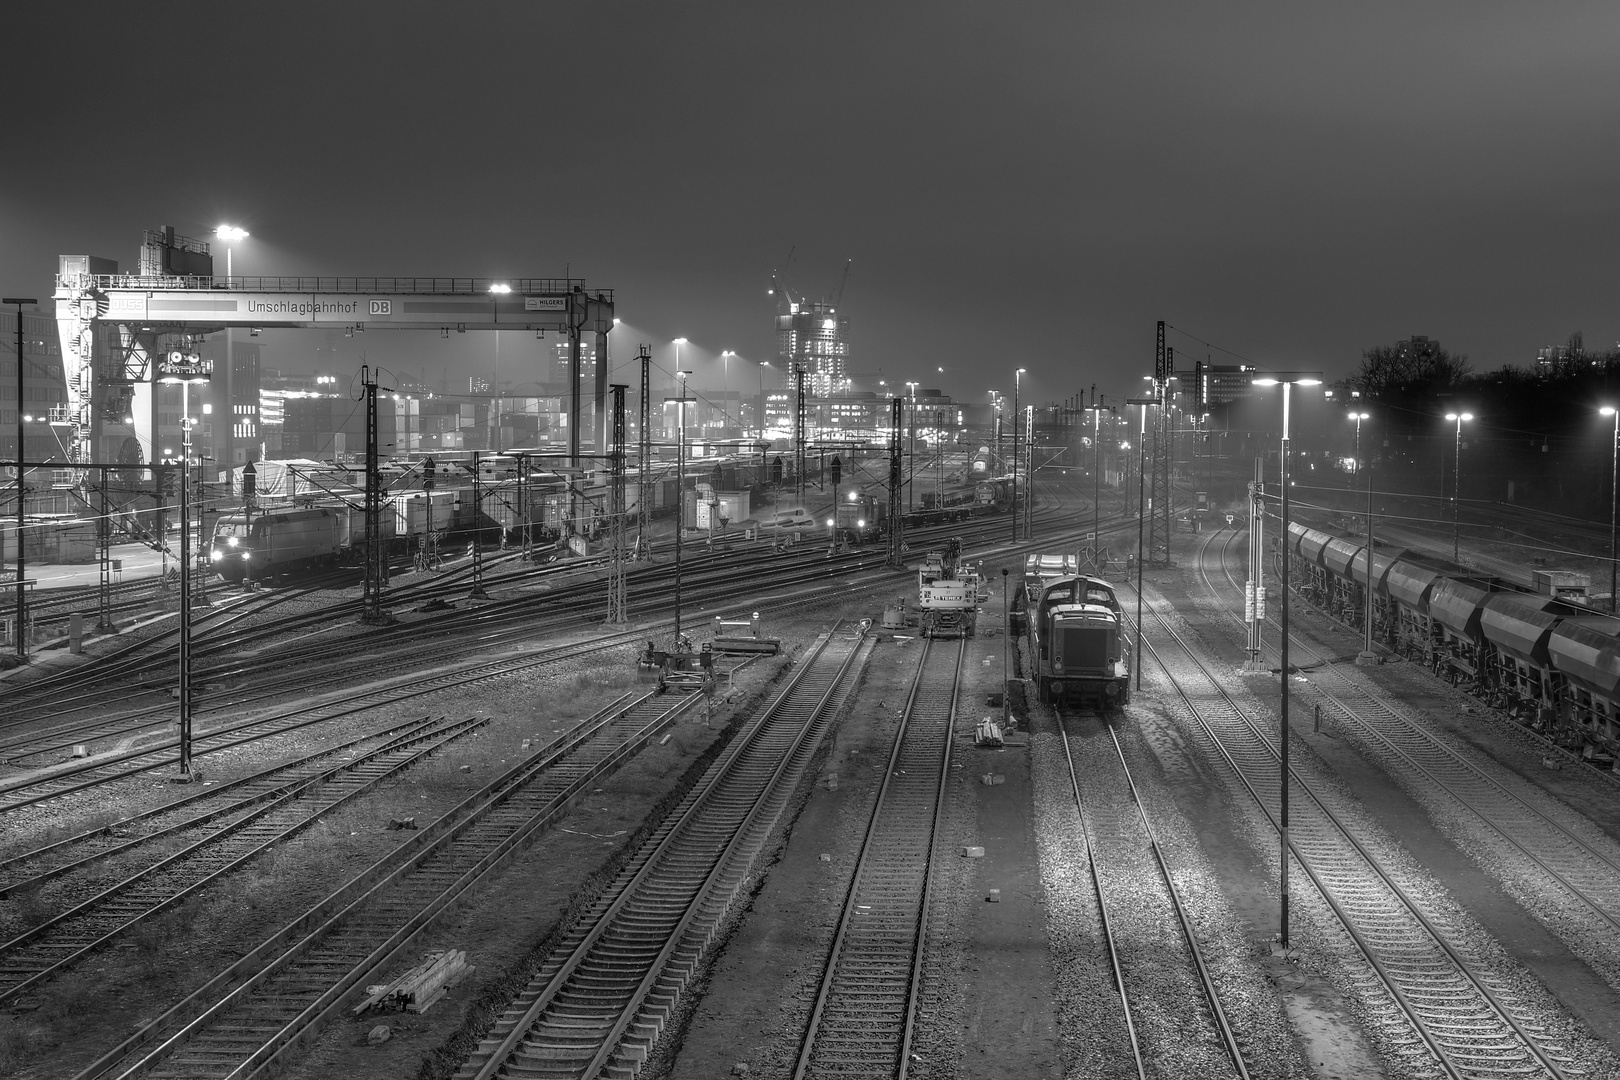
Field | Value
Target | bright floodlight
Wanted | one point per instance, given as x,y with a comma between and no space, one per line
1297,378
1360,416
500,287
231,233
1607,410
1459,416
680,341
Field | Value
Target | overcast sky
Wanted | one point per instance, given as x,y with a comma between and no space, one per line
1019,185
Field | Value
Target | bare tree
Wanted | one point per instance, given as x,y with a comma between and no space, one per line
1407,369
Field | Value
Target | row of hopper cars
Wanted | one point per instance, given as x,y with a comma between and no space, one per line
1078,650
1547,660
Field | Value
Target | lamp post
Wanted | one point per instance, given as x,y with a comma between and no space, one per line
911,470
22,602
1141,502
1456,479
1287,380
724,376
1096,412
995,426
763,364
1366,658
1358,417
1017,380
680,490
1614,497
230,234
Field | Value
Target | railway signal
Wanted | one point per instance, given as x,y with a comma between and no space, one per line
427,474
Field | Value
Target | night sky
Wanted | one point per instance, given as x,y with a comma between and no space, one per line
1018,185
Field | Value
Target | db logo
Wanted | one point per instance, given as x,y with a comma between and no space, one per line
382,307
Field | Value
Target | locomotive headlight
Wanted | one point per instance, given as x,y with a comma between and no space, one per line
246,555
216,555
860,524
231,541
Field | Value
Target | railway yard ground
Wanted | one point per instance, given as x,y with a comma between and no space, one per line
1015,976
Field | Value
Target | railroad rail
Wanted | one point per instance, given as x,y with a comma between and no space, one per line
88,773
1109,803
1458,1008
92,772
46,950
251,1016
864,1012
35,866
1587,873
601,1000
505,622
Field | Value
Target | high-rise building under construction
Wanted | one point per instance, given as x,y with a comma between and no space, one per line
812,335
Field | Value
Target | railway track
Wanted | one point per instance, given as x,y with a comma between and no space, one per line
159,751
102,914
601,1000
500,624
105,768
1113,841
514,627
864,1011
136,662
93,772
1525,822
33,867
259,1008
1463,1017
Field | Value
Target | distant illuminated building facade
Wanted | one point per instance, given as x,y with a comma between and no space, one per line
812,335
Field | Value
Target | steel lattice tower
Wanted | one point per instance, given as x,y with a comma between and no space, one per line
1158,542
798,434
897,525
644,474
376,549
617,607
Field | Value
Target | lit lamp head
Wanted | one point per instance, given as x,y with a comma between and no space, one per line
1607,410
231,233
1459,417
1293,378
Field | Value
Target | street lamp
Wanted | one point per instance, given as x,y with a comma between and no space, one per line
725,384
680,490
1456,479
22,603
1614,474
231,234
1018,377
995,424
1096,412
1358,417
1141,502
1287,380
1366,658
